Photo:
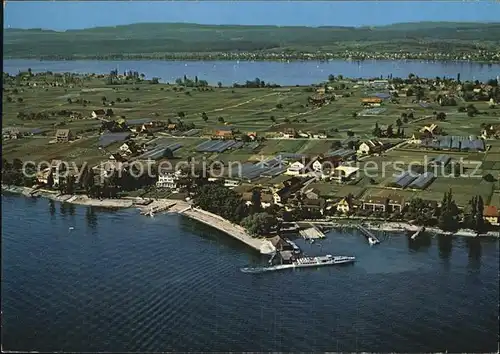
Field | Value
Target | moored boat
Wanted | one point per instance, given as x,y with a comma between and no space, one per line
303,262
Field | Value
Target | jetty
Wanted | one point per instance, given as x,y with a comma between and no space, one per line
312,233
418,233
372,239
156,209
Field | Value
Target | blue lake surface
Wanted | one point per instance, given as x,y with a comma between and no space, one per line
283,73
123,282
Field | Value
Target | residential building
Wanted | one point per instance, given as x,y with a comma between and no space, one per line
289,133
63,135
385,204
231,183
491,214
289,188
343,173
266,199
128,148
314,205
433,129
224,133
169,179
345,205
418,137
98,113
370,147
371,101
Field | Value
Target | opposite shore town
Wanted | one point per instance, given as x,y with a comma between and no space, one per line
254,159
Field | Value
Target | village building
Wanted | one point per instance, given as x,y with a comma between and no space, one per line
370,147
63,135
343,173
169,179
418,137
98,113
224,134
491,214
128,148
266,199
344,205
289,133
314,205
372,101
385,204
289,188
432,129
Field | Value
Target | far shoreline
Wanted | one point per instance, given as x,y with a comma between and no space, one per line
264,60
373,224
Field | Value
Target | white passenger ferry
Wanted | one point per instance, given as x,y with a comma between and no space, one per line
303,262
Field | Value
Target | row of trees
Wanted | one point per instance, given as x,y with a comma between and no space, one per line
14,175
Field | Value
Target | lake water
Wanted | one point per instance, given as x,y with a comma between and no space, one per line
293,73
123,282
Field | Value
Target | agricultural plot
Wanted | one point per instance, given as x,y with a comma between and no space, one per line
274,147
387,193
463,189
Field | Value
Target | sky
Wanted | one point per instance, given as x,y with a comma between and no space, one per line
61,15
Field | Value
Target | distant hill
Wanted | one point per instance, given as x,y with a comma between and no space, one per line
150,38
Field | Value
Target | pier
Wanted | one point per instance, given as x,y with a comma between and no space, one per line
369,235
312,233
156,209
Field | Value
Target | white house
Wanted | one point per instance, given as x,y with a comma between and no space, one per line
98,113
370,147
231,183
295,169
168,179
126,149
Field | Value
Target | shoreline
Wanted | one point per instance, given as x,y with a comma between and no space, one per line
181,207
271,60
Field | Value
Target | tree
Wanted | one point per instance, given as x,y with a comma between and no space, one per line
245,138
256,202
50,180
279,106
448,218
331,77
259,224
20,99
155,80
219,84
409,92
441,116
204,116
399,123
181,114
109,112
354,114
350,133
273,119
389,132
377,132
220,120
336,144
410,115
220,200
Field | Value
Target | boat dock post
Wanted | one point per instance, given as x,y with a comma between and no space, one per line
369,235
418,233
